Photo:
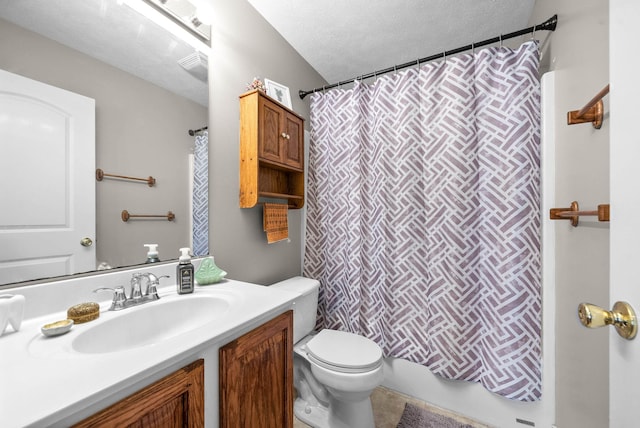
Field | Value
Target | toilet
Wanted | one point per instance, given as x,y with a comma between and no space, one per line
335,372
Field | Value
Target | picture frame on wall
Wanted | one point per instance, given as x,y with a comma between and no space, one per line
278,92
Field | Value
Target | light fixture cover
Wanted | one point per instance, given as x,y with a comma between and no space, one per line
187,14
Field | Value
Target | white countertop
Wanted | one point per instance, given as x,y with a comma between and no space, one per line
43,381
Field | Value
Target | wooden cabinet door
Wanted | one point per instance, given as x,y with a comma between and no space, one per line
269,129
256,377
292,150
176,401
281,135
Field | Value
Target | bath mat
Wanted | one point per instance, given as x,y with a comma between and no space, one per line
416,417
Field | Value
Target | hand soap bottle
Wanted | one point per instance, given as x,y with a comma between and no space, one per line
152,255
184,272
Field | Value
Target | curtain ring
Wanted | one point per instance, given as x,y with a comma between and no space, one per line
533,33
500,40
323,90
375,76
418,64
473,48
444,55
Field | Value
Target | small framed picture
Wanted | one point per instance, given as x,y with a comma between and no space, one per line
278,92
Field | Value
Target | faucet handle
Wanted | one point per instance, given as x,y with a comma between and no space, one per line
119,297
136,288
154,281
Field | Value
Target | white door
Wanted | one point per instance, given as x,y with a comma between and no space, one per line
47,181
624,98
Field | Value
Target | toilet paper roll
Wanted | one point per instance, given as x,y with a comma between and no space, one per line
11,311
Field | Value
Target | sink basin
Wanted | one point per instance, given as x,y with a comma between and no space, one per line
150,323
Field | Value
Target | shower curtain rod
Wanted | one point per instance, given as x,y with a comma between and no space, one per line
193,132
548,25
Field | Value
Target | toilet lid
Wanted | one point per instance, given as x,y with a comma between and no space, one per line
344,352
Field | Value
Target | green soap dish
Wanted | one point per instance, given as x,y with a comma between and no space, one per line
209,273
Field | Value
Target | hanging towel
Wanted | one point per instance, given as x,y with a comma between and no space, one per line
275,220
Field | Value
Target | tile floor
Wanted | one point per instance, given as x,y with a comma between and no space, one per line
388,406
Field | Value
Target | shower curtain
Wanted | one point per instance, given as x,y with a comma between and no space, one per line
423,216
201,195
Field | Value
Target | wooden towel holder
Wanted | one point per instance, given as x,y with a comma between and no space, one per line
100,174
573,213
592,112
126,216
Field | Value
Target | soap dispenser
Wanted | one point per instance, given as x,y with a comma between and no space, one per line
184,272
152,255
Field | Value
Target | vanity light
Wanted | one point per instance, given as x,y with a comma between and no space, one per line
204,13
191,13
195,21
169,14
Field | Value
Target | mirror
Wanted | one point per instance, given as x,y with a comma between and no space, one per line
149,88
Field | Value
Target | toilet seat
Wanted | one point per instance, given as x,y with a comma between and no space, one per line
344,352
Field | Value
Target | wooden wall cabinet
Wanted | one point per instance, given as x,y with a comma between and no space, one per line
271,151
256,377
174,401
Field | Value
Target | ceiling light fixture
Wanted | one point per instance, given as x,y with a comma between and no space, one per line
176,16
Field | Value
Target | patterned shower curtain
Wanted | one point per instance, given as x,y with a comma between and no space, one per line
423,221
201,195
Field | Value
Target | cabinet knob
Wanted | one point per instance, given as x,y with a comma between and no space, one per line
285,136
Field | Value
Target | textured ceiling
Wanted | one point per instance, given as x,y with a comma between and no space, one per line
342,39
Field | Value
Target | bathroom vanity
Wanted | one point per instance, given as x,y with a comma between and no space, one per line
174,401
205,355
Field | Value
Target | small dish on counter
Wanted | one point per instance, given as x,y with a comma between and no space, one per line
209,273
57,328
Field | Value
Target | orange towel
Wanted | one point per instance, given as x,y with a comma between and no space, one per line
275,222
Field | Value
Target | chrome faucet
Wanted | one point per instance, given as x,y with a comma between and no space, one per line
136,290
151,292
136,296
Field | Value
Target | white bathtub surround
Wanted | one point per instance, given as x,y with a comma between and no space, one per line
55,382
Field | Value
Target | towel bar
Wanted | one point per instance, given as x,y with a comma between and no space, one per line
126,216
592,112
573,213
100,174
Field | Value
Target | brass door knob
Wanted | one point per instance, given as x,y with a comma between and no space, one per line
622,317
86,242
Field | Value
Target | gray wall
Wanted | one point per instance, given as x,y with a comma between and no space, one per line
579,52
141,131
245,46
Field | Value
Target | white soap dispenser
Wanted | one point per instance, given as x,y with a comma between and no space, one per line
184,272
152,255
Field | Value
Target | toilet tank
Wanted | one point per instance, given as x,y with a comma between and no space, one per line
305,306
